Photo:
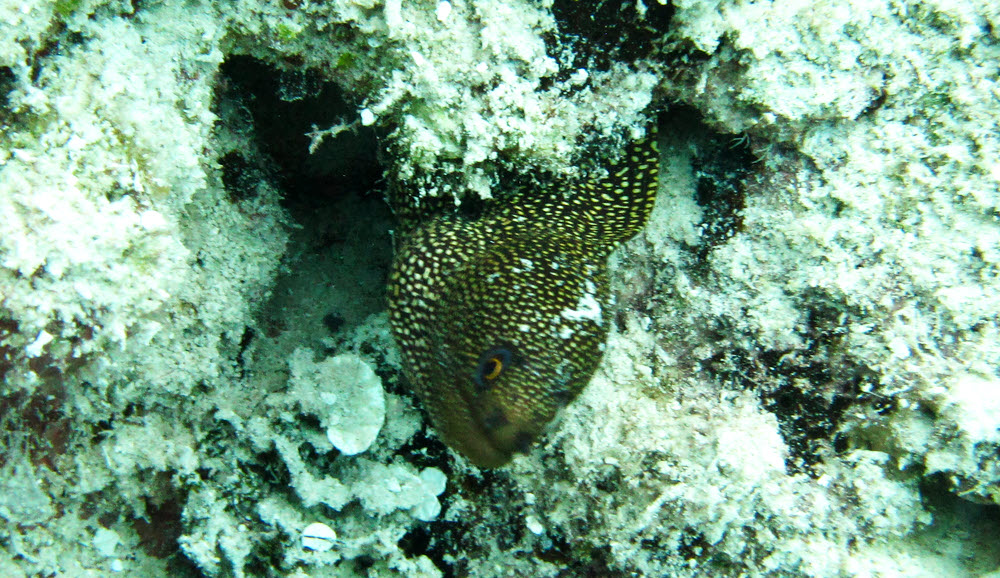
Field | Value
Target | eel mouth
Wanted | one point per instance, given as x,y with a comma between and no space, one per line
481,449
488,442
499,439
465,430
482,430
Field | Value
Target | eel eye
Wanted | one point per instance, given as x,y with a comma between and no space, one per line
495,366
491,365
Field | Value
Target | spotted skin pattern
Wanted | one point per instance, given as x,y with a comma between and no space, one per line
502,319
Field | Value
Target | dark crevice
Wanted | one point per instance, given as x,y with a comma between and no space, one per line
285,106
602,32
809,390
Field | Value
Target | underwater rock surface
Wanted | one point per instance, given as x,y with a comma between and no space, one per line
801,377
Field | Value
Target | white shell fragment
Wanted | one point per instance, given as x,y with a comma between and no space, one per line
34,349
427,510
433,481
318,537
533,525
443,10
105,541
367,117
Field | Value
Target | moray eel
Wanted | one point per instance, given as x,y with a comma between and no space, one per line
502,319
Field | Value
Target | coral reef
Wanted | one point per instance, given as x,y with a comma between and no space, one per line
198,374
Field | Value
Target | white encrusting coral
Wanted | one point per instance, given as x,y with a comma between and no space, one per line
344,393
